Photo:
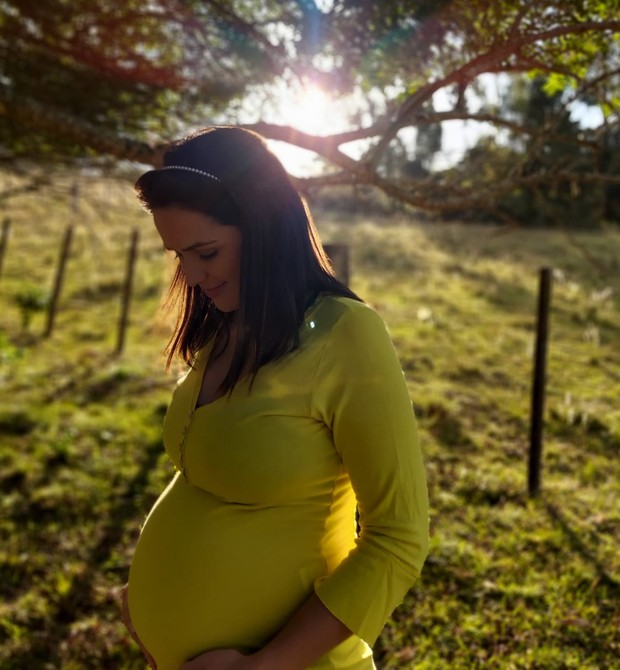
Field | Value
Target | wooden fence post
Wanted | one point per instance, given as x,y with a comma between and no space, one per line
4,240
538,385
75,198
338,255
60,273
127,290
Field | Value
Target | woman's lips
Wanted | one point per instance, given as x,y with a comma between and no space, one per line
215,291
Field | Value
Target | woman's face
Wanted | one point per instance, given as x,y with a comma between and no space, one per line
209,252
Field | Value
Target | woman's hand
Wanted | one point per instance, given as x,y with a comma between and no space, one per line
126,619
221,659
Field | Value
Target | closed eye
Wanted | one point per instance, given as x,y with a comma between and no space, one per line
203,257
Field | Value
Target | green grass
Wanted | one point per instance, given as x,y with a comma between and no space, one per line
510,582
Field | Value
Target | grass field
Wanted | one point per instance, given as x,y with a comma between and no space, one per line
510,582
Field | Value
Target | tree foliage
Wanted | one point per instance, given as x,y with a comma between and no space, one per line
81,76
560,173
84,78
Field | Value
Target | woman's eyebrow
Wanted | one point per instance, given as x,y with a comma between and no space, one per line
199,244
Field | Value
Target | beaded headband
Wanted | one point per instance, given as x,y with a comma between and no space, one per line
191,169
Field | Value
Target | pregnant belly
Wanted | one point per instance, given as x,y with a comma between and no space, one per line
208,574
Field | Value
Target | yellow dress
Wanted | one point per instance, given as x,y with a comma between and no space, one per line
267,514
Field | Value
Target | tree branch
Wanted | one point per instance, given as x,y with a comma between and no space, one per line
327,147
476,66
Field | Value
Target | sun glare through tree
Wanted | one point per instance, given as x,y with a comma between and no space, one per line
310,110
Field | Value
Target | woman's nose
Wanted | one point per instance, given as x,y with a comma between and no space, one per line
193,272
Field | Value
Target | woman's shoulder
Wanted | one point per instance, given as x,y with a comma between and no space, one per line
330,311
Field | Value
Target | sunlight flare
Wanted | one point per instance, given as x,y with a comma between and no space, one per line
312,111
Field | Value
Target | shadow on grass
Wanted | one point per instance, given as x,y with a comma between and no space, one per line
80,600
444,425
581,548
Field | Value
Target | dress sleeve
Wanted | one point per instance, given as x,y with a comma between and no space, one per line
362,395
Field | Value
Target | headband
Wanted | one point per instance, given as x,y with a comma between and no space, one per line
191,169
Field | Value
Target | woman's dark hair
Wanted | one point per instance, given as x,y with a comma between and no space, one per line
283,265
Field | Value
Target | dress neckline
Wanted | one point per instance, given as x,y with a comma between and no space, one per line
203,360
204,354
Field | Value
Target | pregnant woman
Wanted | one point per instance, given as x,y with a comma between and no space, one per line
293,414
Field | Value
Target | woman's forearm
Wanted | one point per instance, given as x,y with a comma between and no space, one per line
311,632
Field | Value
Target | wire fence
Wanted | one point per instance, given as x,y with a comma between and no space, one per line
338,255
